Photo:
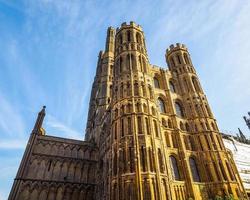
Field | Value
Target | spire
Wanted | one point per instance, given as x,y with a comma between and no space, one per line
242,136
110,40
39,121
247,120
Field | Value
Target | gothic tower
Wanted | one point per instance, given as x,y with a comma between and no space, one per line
157,135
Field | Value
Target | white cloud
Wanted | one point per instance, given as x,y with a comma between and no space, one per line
11,121
61,129
11,144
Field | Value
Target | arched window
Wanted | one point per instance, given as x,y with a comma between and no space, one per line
156,129
122,127
156,83
121,64
194,170
186,58
144,64
129,126
174,168
115,163
179,59
172,61
147,126
161,105
229,169
128,36
213,126
133,62
161,164
120,39
139,124
187,127
128,62
179,109
140,63
138,38
172,86
136,89
196,84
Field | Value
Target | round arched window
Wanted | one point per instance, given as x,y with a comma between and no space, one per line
179,109
161,105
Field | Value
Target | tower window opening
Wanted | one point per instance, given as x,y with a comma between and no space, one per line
172,61
143,159
129,126
194,170
179,109
179,59
223,171
161,105
139,125
128,36
196,85
174,168
186,58
128,62
120,39
161,164
156,83
156,129
138,38
172,87
122,126
147,126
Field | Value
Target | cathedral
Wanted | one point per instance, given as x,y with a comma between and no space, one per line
150,135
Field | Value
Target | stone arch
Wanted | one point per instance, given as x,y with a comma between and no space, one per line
52,193
33,167
64,171
41,169
56,170
138,38
43,194
162,104
194,169
71,171
34,193
54,149
67,151
61,150
179,108
196,84
59,193
174,164
24,195
186,58
49,169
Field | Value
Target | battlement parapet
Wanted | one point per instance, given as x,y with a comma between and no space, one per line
131,24
177,46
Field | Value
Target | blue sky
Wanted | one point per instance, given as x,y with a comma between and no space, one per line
49,52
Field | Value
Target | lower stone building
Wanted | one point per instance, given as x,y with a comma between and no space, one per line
55,168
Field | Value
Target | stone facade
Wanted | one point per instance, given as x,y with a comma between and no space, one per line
152,130
56,168
240,152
